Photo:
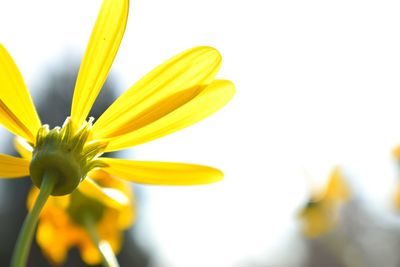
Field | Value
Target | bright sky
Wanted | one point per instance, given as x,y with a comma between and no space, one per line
317,85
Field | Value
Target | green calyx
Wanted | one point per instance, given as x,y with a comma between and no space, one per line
65,153
82,207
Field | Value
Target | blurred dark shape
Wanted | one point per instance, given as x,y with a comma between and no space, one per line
54,98
364,237
320,255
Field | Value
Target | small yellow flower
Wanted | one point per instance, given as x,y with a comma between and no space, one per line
319,215
176,94
61,225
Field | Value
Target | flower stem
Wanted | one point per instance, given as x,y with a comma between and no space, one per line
21,250
105,250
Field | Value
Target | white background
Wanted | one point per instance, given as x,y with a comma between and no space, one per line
317,86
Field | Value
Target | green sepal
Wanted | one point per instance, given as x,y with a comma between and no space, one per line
66,154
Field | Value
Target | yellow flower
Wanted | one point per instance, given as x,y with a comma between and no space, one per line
319,215
176,94
61,224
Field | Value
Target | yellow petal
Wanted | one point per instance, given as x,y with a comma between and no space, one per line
109,196
317,220
90,254
23,148
337,189
127,216
396,152
13,167
161,173
209,100
17,112
52,242
194,67
99,56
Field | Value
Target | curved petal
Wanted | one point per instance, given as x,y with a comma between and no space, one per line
192,68
99,56
53,241
13,167
209,100
23,148
161,173
89,253
111,197
17,112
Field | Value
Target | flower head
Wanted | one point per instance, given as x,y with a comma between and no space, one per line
176,94
319,215
62,221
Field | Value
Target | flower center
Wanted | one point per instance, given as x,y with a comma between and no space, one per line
67,154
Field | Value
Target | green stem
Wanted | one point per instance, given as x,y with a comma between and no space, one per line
21,250
107,255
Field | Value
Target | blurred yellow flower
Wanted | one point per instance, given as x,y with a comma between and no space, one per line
396,152
396,198
319,215
62,222
176,94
